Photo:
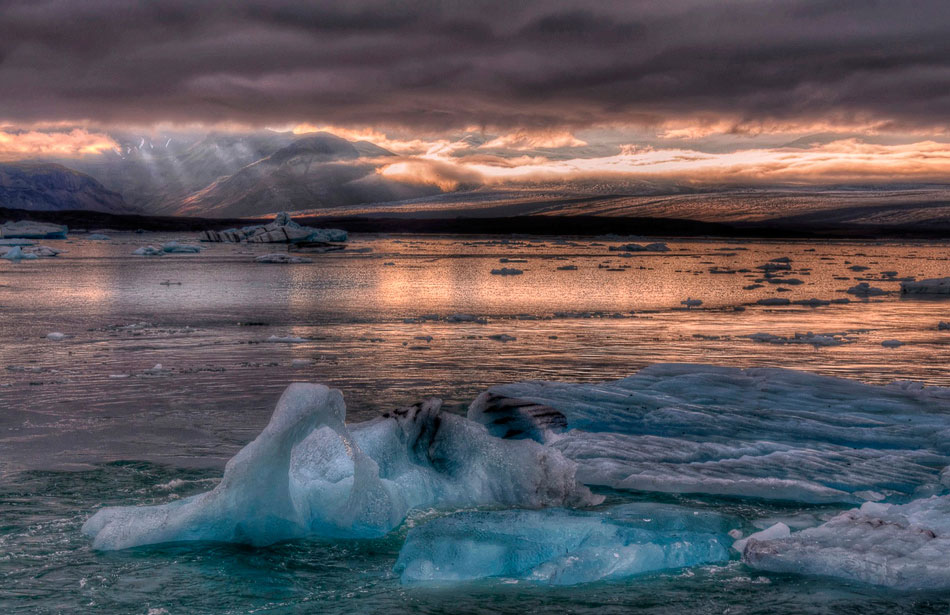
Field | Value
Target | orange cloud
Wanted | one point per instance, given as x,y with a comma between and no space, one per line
16,145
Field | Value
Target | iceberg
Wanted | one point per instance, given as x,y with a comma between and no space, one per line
282,230
899,546
761,433
309,474
16,253
561,547
149,250
27,229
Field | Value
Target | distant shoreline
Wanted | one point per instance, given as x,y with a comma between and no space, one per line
543,225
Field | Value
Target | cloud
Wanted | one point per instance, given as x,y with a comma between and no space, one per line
20,144
558,65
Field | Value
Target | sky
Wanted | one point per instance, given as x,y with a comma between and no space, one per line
715,91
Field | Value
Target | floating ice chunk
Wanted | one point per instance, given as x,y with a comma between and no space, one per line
282,258
691,303
156,370
173,247
930,286
148,251
943,326
901,546
286,339
506,271
559,547
502,337
15,242
26,229
459,317
761,433
635,247
567,268
779,530
814,339
300,363
16,253
865,290
309,474
281,230
774,301
42,251
892,343
55,336
98,237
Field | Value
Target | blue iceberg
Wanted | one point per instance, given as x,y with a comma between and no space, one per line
309,474
561,547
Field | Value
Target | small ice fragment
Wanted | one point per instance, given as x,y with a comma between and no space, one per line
691,303
55,336
506,271
502,337
282,258
892,343
287,339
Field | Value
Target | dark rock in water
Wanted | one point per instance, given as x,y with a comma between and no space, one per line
515,419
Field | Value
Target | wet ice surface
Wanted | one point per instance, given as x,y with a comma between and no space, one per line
89,420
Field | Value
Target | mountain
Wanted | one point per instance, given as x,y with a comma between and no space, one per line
315,171
43,186
157,172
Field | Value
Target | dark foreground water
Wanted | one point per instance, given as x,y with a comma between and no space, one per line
88,421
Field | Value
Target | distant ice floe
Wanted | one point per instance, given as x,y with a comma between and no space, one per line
27,229
561,547
635,247
774,301
930,286
286,339
507,271
55,336
98,237
27,252
813,339
892,343
282,230
148,251
282,258
173,247
864,289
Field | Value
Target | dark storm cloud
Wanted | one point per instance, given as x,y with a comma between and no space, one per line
422,64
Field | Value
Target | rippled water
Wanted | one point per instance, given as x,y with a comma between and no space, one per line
83,423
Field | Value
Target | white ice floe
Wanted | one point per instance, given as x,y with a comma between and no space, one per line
148,251
561,547
760,433
282,258
55,336
286,339
310,474
26,229
901,546
16,253
930,286
98,237
173,247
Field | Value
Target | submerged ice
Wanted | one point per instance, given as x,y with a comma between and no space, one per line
562,547
308,473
